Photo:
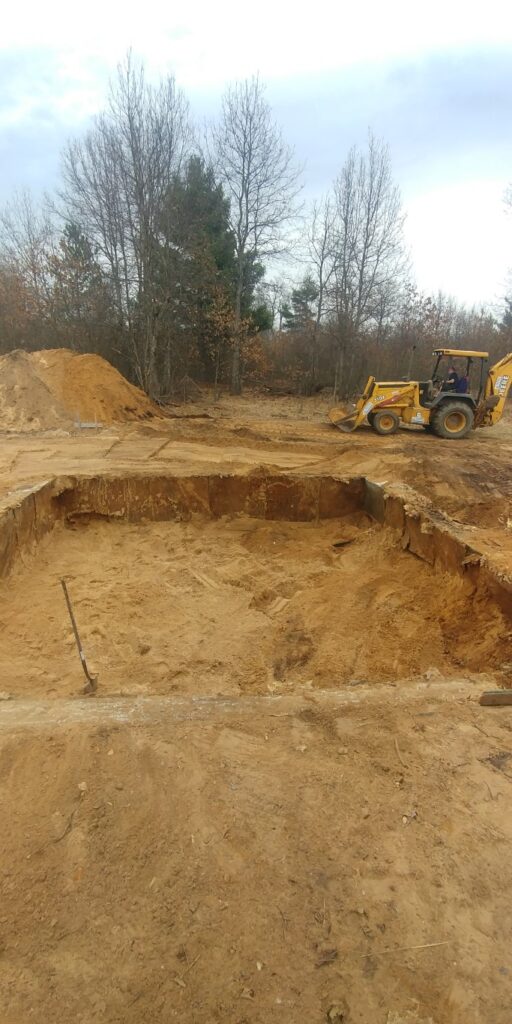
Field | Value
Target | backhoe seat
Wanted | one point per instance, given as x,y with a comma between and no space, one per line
426,392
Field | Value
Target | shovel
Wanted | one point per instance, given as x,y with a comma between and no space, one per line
92,681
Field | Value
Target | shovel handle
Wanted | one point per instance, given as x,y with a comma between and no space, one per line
90,679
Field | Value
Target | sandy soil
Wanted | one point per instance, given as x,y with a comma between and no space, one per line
238,606
58,388
259,863
247,836
471,480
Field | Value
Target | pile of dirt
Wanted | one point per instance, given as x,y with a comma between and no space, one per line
58,388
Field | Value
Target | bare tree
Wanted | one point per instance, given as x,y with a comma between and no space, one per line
261,179
273,295
115,183
507,199
369,253
27,236
321,258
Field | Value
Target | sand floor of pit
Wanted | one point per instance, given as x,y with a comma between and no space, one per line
237,606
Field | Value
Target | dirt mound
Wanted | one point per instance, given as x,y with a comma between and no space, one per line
58,388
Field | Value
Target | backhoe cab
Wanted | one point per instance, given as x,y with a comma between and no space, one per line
443,405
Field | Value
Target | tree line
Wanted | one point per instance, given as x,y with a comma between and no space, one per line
177,258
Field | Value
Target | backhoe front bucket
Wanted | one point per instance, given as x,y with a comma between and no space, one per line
343,418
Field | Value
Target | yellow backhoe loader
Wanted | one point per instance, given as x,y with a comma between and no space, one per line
443,405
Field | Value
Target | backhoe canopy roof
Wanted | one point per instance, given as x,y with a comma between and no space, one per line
460,353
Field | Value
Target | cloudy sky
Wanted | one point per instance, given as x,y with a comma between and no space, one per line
434,80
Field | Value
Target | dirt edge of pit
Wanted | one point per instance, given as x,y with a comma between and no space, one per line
29,514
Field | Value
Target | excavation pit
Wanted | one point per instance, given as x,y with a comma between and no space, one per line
240,585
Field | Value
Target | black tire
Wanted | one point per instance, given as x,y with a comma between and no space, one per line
385,422
452,420
370,418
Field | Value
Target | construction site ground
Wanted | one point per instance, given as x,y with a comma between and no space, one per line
284,803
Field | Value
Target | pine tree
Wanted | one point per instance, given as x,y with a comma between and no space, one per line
197,268
300,314
80,303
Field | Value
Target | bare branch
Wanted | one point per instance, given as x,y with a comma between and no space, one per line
261,179
115,183
368,248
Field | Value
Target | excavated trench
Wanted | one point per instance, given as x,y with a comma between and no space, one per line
241,585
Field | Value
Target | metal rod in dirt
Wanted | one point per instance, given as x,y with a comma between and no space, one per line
91,680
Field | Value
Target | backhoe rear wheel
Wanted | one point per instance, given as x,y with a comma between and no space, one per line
453,420
385,421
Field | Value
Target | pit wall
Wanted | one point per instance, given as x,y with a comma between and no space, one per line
29,515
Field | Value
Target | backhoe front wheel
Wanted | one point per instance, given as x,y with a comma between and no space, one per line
385,421
453,420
